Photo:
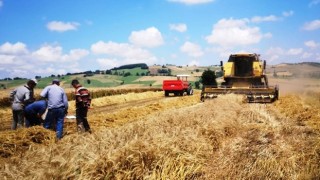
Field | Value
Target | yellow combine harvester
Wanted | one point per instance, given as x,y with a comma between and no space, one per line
244,74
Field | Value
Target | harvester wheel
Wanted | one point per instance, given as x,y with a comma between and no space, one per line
190,92
166,93
202,98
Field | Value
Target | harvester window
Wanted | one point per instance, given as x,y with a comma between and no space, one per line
243,66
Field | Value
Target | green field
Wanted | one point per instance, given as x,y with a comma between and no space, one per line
94,80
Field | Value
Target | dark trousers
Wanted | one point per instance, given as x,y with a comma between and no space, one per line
82,121
17,119
32,119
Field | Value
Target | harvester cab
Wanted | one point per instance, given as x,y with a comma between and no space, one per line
244,74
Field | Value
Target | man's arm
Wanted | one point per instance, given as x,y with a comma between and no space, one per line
12,93
65,102
44,92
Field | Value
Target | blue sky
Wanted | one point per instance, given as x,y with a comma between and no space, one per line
56,37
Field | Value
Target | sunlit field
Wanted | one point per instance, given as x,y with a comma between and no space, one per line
144,135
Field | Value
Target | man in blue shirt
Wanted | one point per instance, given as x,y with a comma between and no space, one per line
57,107
34,111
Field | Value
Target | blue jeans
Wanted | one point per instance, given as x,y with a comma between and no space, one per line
54,120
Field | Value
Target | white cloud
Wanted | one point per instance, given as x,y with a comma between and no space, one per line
120,54
122,50
62,26
194,63
17,61
6,59
108,63
17,48
311,44
271,18
258,19
313,25
1,3
150,37
179,27
48,53
191,2
295,51
318,56
306,55
75,54
235,32
280,55
314,2
287,13
54,54
191,49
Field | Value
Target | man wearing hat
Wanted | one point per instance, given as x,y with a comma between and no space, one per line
20,98
57,107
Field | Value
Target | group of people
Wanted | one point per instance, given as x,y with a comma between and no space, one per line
53,103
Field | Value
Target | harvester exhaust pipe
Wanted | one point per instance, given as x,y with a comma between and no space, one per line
221,65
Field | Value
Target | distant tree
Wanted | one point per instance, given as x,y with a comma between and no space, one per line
163,71
143,74
108,71
197,70
127,74
219,74
197,84
37,77
169,72
131,66
88,81
17,78
137,74
208,77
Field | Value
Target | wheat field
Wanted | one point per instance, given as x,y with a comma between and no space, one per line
147,136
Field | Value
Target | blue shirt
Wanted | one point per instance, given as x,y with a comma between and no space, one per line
38,107
56,96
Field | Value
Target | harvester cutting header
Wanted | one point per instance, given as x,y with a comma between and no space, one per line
244,74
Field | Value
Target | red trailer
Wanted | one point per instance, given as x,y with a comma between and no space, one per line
180,86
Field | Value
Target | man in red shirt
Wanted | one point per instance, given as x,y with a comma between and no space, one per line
83,101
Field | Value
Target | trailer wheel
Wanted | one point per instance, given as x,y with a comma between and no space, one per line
181,93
